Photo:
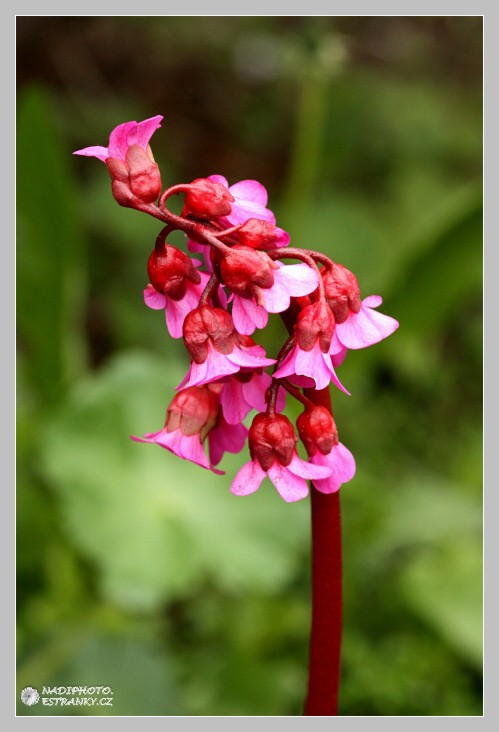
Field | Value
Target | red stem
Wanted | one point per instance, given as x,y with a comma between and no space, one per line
325,633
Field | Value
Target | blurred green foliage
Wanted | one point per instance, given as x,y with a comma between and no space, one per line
142,572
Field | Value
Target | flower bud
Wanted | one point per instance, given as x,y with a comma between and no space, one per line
259,234
136,177
193,411
206,199
168,270
315,321
317,430
204,324
272,437
243,269
342,291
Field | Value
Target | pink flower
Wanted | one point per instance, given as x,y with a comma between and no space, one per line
342,465
310,356
272,442
250,201
215,347
191,415
123,137
246,391
291,280
176,310
367,326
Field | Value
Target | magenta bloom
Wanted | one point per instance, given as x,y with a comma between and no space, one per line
123,137
250,201
367,326
342,465
246,391
176,310
313,364
290,480
225,437
291,280
218,365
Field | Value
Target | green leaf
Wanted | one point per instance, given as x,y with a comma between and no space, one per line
154,524
50,279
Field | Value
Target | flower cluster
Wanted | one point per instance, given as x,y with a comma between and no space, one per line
215,304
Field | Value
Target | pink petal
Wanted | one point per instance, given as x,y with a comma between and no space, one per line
289,486
311,363
298,279
342,464
226,437
248,479
177,310
219,179
154,299
118,140
254,391
250,357
234,406
215,367
250,191
145,130
187,447
287,368
247,315
306,470
372,301
97,151
365,328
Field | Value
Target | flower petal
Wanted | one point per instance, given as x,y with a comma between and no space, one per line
251,191
145,130
307,470
219,179
342,464
250,357
97,151
248,315
248,479
365,328
298,279
291,487
225,437
234,405
154,299
118,140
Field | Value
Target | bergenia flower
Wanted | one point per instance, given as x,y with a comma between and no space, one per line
123,137
272,442
261,286
358,325
310,356
245,391
250,201
189,418
319,434
216,349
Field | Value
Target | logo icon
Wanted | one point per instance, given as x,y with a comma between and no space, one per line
29,696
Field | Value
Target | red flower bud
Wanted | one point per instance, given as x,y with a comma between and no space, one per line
206,199
194,411
205,324
259,234
315,321
137,177
168,270
342,291
271,437
317,430
243,269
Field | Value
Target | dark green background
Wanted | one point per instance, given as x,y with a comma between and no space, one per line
142,572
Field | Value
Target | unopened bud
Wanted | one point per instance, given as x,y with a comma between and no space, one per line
259,234
205,324
168,270
193,411
242,269
315,321
317,430
342,291
271,437
136,177
206,199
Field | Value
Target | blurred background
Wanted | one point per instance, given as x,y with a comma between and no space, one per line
140,571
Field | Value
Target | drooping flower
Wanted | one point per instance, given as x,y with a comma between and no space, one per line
310,357
319,434
190,417
250,201
272,442
245,391
358,325
130,162
262,286
216,348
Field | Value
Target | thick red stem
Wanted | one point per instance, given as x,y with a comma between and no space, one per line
326,630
